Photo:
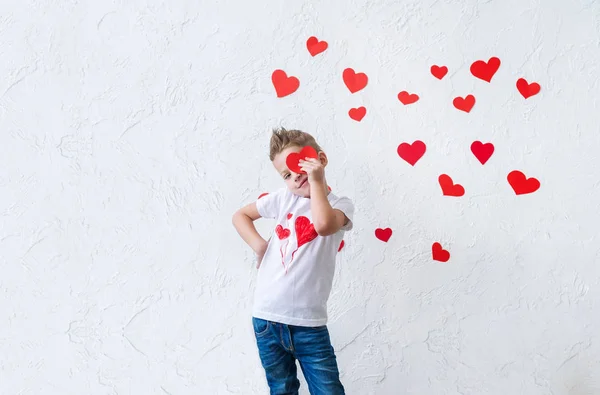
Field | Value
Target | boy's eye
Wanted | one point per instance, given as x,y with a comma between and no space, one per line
286,176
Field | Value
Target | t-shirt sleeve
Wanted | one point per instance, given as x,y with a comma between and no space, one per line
269,205
345,205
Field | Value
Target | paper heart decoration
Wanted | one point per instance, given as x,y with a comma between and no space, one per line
282,233
341,246
357,113
485,70
449,188
438,253
482,152
315,46
407,98
383,234
293,160
283,84
464,104
527,90
439,72
411,153
354,81
521,184
305,231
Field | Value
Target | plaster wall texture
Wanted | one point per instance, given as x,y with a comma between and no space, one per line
130,131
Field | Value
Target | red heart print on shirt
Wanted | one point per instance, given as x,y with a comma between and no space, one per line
482,152
293,160
411,153
357,113
354,81
263,194
341,246
383,234
290,215
315,46
485,70
283,84
464,104
407,98
305,231
282,233
449,188
526,89
439,72
521,184
438,253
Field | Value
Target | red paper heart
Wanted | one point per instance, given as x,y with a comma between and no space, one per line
411,153
315,46
341,246
465,104
521,184
263,194
283,84
282,233
383,234
354,81
449,188
526,89
485,70
357,113
293,160
482,152
407,98
439,72
305,231
290,215
438,253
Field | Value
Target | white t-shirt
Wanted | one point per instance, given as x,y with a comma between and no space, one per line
296,273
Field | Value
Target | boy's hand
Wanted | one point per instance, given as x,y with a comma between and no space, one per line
260,253
314,168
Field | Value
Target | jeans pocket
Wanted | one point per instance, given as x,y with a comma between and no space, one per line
261,327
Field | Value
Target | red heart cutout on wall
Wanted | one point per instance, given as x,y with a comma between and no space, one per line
283,84
305,231
411,153
354,81
485,70
448,186
357,113
293,160
482,152
341,246
438,253
383,234
407,98
465,104
439,72
315,46
521,184
527,90
282,233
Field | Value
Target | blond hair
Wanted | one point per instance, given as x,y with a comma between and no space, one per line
283,138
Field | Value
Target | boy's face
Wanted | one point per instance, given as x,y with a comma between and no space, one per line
296,182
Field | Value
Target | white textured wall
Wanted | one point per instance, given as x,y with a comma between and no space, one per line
130,131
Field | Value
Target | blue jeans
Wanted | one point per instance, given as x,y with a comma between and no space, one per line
279,345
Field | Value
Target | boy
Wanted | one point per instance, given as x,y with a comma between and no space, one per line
296,268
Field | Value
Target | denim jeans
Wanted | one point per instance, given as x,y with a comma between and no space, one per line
280,345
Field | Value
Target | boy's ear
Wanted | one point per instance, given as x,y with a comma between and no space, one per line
323,158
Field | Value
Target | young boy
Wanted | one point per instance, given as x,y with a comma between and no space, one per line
296,268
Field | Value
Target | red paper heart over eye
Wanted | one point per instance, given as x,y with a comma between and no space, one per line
293,160
282,233
305,231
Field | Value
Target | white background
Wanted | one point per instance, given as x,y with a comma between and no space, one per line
130,131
